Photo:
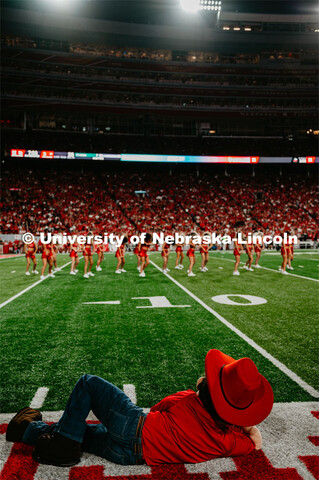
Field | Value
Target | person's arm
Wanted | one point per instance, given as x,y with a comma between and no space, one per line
254,435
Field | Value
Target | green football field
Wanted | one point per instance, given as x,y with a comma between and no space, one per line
50,336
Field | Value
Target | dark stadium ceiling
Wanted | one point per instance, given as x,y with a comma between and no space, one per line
159,11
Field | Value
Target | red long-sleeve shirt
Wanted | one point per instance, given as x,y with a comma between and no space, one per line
180,430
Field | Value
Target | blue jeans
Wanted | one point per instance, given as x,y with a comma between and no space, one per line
112,439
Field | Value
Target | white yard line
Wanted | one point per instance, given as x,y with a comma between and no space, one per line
273,270
308,388
129,390
28,288
39,397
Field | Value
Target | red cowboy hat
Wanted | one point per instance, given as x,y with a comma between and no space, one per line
240,394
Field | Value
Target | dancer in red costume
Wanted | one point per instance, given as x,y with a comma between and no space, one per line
191,256
165,254
144,254
237,252
74,259
204,251
120,255
88,257
30,250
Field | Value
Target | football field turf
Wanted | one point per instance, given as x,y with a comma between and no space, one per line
156,331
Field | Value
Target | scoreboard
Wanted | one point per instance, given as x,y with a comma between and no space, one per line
131,157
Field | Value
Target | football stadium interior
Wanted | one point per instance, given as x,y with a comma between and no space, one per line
130,117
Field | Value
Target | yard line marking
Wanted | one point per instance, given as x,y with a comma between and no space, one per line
111,302
13,271
39,397
293,376
277,271
129,390
29,288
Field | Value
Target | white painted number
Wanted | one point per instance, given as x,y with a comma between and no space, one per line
251,300
159,302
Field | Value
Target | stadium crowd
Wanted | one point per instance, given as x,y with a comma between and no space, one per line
123,202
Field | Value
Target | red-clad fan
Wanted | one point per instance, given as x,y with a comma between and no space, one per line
136,251
179,256
145,246
74,258
88,256
30,250
258,246
285,250
165,254
120,255
191,255
249,250
47,258
238,249
100,256
204,251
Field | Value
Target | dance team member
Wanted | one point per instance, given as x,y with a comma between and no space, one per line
179,256
191,256
120,252
30,250
204,251
136,251
74,258
144,255
290,254
219,420
100,256
47,258
165,254
54,256
88,258
258,246
237,252
285,250
249,250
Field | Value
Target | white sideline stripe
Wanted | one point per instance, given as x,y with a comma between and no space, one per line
129,390
252,343
39,397
276,271
28,288
111,302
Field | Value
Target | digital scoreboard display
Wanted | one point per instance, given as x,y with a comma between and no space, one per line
131,157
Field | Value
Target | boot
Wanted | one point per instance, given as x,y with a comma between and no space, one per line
56,449
20,422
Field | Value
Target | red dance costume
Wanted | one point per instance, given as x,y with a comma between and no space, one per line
249,247
73,253
47,252
236,249
191,251
258,247
285,249
87,252
120,251
178,248
144,250
165,250
204,249
30,251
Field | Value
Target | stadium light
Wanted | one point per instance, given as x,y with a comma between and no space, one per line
213,5
190,6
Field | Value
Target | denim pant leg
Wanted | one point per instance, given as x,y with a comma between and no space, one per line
110,405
